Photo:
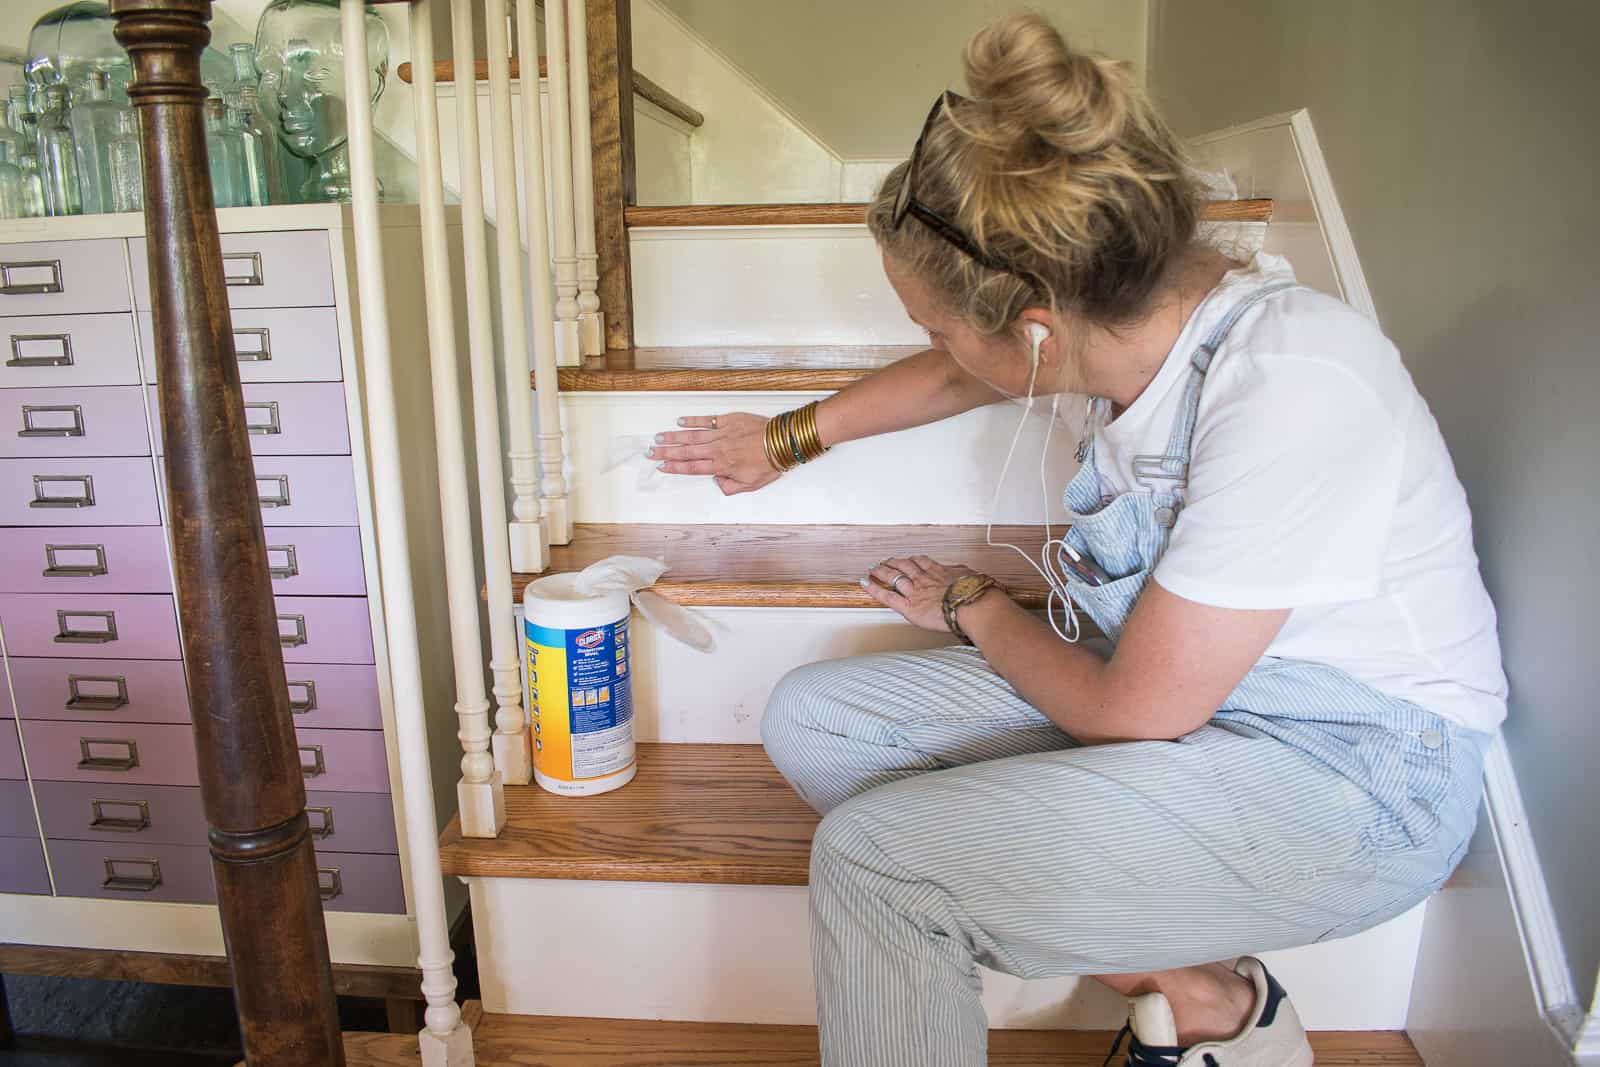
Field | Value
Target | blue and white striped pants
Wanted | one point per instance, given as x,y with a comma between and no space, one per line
963,827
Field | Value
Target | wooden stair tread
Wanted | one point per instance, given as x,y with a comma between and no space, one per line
762,565
713,814
800,368
444,70
553,1041
1258,210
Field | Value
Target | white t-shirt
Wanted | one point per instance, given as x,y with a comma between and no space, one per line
1319,481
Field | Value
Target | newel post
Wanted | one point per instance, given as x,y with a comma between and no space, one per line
250,778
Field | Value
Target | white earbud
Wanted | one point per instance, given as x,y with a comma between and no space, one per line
1037,333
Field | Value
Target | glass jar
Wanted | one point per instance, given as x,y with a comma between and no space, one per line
70,41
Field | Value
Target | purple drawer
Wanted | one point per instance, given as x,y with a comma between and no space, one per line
355,882
324,629
84,559
306,490
90,625
133,753
348,822
55,350
133,870
291,418
102,690
276,345
16,811
22,868
102,811
316,560
105,421
282,269
336,696
10,752
342,761
57,277
80,492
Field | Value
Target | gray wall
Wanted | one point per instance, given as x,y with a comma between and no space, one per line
1462,140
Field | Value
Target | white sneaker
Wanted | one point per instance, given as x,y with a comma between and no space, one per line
1273,1038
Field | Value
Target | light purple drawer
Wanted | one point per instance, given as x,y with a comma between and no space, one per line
102,690
263,270
101,811
128,753
277,345
324,629
84,559
51,423
343,761
336,696
16,810
11,752
90,626
133,870
356,882
54,350
80,492
348,822
290,418
62,277
22,867
316,561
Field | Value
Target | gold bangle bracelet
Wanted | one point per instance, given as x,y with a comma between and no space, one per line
792,438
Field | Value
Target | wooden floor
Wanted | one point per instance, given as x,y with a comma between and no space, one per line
811,368
533,1041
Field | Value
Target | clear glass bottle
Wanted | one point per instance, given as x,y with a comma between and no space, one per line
242,116
17,111
12,203
9,135
94,123
226,154
245,76
125,164
58,156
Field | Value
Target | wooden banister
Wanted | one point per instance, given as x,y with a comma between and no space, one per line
250,778
445,71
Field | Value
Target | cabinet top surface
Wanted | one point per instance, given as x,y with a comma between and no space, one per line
229,220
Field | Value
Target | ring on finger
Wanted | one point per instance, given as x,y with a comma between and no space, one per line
895,585
713,422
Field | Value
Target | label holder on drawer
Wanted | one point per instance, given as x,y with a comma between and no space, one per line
330,883
55,567
122,882
280,499
298,636
42,497
104,817
271,426
27,277
316,766
251,261
37,420
67,635
19,358
309,703
261,354
92,762
322,825
289,568
79,700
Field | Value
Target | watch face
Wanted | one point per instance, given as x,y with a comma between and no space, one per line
965,586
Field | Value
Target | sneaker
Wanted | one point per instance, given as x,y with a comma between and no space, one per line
1274,1038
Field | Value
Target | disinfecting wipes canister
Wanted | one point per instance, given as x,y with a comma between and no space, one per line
581,694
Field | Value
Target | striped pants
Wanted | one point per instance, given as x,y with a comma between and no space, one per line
962,827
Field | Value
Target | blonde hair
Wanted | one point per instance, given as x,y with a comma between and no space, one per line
1057,165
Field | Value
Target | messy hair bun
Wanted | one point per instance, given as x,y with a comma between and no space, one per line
1058,166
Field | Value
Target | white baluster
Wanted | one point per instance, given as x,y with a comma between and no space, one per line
569,344
591,322
511,749
445,1039
552,482
530,546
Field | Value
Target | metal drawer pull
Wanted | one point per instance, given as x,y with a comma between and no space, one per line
30,278
289,568
272,425
104,634
278,498
132,876
317,766
120,816
80,700
261,353
98,761
305,703
56,565
297,636
37,420
44,498
329,883
242,268
322,824
61,357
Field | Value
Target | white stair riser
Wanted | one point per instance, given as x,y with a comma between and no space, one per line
739,954
939,474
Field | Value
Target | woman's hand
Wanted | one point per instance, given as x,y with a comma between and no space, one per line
729,448
915,587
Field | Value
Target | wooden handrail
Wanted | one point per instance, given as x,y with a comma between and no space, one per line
445,71
250,778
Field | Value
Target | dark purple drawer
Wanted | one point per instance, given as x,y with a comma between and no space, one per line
343,761
10,752
133,870
97,811
360,882
80,492
289,418
16,810
351,822
324,629
91,626
22,867
104,421
54,350
84,559
316,561
136,753
106,690
340,696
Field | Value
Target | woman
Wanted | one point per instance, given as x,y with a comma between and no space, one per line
1285,744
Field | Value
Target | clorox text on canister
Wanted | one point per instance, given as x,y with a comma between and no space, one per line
580,688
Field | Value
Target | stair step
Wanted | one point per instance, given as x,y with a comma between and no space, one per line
793,566
444,71
731,369
555,1041
1258,210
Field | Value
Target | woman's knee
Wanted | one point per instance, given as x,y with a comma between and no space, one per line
792,714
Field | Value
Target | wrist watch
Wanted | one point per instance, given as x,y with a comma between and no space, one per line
963,591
